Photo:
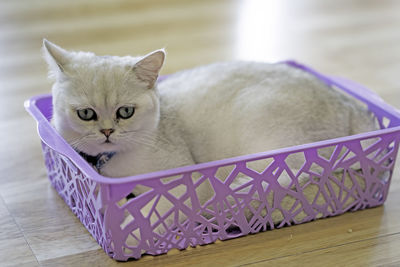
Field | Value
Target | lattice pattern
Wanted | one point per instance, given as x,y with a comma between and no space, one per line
79,192
172,215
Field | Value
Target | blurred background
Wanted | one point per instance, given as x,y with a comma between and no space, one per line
357,39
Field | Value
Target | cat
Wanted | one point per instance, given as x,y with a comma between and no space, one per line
110,104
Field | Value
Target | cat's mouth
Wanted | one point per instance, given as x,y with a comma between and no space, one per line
108,145
107,142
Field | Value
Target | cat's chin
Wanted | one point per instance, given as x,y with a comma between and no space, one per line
99,149
108,147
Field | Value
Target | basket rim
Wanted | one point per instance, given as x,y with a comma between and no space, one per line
53,139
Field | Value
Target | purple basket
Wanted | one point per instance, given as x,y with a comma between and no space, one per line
103,205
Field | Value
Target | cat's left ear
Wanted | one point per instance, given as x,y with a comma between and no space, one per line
148,68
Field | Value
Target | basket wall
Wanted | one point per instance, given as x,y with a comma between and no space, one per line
355,176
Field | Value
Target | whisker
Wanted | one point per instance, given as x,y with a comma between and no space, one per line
142,142
147,135
80,142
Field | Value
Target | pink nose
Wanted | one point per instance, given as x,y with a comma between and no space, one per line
107,132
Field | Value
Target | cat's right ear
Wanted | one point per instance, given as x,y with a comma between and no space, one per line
56,58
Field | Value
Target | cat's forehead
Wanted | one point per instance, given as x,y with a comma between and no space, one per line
105,81
102,68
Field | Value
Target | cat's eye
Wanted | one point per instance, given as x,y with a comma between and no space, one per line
87,114
125,112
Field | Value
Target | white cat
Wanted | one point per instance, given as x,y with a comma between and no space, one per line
113,104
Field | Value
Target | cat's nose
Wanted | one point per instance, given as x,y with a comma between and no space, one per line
107,132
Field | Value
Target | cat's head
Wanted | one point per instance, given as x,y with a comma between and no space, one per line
103,103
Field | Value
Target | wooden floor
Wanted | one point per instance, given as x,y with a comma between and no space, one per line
356,39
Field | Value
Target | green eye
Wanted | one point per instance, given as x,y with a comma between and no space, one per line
87,114
125,112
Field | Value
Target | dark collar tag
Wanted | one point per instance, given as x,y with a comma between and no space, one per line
99,160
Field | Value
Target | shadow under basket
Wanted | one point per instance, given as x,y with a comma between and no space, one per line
356,176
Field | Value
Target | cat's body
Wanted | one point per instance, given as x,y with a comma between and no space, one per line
218,111
237,108
207,113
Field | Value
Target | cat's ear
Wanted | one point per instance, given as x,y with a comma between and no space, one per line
56,57
148,68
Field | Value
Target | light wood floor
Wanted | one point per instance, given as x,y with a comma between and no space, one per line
356,39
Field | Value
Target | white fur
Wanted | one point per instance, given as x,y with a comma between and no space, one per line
237,108
203,114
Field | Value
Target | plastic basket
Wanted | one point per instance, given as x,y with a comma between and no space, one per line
103,205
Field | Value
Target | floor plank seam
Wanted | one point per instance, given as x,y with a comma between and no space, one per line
20,230
320,249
